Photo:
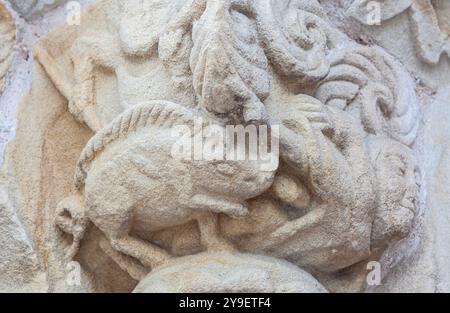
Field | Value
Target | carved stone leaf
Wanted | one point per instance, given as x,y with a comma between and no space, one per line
294,38
7,41
430,40
228,65
369,81
175,42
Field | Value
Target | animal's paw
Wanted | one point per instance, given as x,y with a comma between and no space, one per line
218,205
236,210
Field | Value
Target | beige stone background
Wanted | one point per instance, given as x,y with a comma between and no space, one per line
19,262
428,270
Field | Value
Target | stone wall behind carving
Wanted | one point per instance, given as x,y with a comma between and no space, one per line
19,261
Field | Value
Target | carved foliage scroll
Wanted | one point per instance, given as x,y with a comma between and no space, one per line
229,66
294,38
369,81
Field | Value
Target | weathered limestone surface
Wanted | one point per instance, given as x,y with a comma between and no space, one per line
224,272
94,197
7,38
30,8
423,49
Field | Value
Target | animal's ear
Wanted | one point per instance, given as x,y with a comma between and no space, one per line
362,10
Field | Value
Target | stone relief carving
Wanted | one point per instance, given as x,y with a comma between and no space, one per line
145,193
370,82
347,187
262,274
8,40
429,23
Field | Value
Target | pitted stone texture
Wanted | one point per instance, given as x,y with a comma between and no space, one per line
7,40
96,181
228,272
429,22
30,8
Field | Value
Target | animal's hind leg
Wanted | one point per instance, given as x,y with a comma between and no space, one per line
117,231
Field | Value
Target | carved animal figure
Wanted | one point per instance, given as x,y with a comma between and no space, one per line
129,182
329,228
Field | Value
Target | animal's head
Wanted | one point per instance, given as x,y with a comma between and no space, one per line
397,174
237,160
244,179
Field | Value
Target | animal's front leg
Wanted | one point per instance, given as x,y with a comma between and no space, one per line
212,203
88,55
254,110
82,101
211,238
208,221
